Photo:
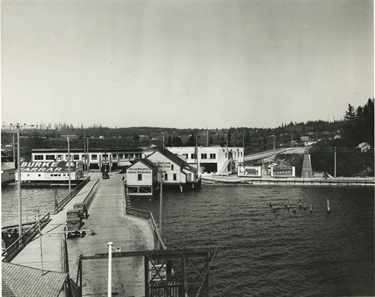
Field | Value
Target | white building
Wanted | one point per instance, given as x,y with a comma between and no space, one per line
175,170
141,178
212,159
97,158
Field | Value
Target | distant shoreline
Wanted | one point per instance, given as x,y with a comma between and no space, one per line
339,181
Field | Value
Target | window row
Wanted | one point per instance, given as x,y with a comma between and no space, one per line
83,157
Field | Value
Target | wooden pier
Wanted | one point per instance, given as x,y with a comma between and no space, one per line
107,221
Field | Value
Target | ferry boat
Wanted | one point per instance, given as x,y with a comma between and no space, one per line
51,173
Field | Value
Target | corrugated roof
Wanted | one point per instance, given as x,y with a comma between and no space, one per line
20,281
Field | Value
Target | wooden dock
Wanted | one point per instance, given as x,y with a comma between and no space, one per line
107,222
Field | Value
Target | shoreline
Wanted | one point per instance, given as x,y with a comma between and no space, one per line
338,181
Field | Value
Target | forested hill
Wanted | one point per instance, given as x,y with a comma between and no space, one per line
356,126
254,139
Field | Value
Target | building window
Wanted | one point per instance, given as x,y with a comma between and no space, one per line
50,157
212,156
121,156
114,156
38,157
172,167
126,156
193,156
75,157
139,176
131,156
60,157
166,176
204,156
187,156
174,176
94,157
39,175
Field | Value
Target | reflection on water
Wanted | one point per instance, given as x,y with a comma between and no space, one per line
268,251
33,199
264,251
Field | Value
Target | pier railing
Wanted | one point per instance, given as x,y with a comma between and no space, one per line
159,241
147,215
71,195
11,251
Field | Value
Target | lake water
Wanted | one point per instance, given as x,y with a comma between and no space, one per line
33,199
277,253
263,251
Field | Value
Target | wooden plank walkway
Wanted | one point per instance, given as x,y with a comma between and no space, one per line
108,222
51,239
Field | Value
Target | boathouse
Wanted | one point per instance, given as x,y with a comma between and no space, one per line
211,159
141,178
176,172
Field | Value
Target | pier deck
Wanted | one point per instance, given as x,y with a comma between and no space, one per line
106,222
51,240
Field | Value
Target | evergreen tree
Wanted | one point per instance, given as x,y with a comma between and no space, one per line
191,141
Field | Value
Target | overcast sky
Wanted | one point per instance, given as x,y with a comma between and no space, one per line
185,64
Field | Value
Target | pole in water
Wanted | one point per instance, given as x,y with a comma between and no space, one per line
328,206
270,203
310,208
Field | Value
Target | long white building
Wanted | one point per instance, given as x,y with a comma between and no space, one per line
97,158
211,159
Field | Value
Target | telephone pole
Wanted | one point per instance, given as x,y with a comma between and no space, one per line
18,127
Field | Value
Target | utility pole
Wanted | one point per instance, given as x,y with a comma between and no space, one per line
68,163
19,127
207,136
161,203
291,139
334,162
163,138
70,180
88,156
84,151
14,150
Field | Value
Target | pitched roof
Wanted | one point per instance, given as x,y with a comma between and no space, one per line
171,156
176,159
147,162
19,280
7,166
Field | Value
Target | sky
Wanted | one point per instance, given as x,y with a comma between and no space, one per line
184,64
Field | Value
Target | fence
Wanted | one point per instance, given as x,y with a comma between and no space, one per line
147,215
22,241
71,195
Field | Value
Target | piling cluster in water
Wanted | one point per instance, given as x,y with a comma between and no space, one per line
293,207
